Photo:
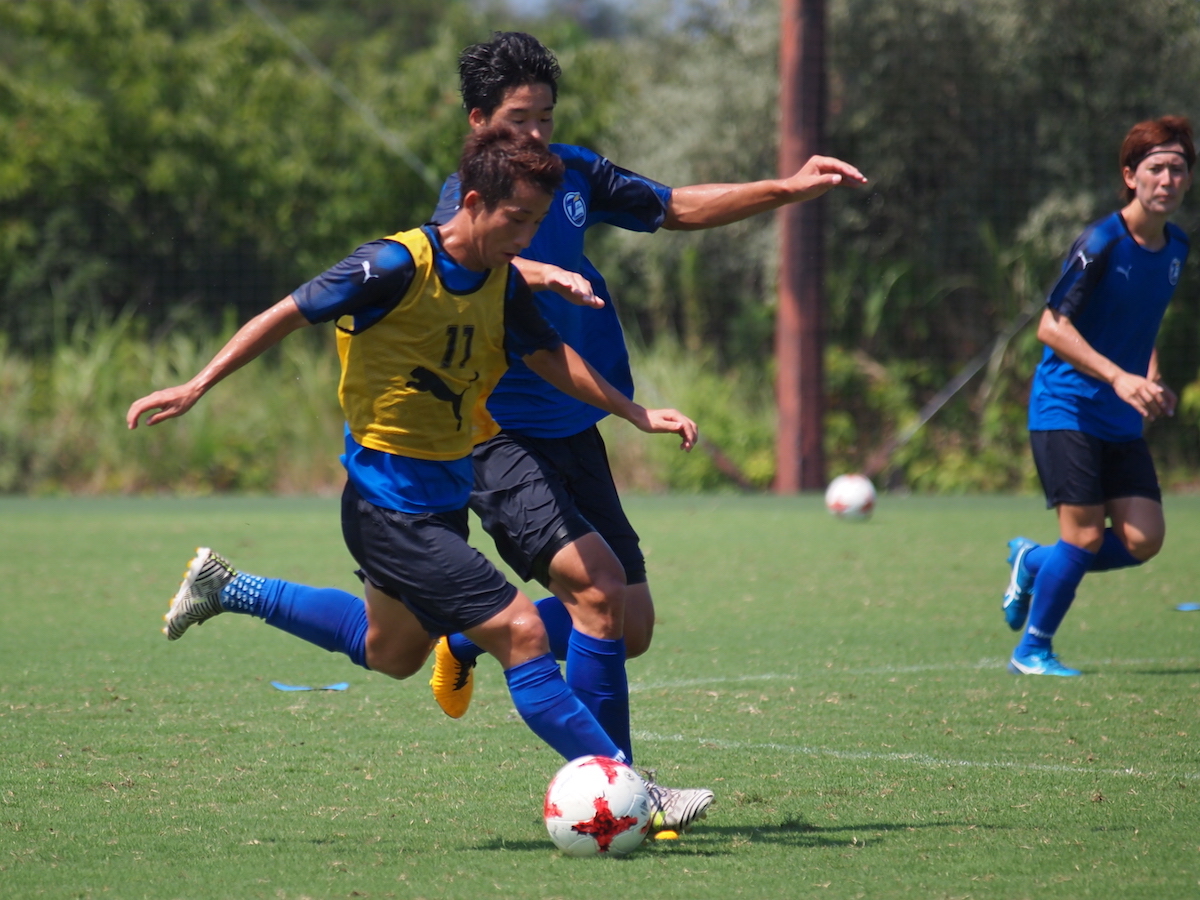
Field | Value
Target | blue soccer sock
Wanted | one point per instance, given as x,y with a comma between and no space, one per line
1113,554
596,674
1053,592
1036,557
554,713
558,629
334,620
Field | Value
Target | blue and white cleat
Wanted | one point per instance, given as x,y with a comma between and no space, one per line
1020,584
1040,662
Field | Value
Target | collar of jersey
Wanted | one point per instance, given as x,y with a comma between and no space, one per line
455,278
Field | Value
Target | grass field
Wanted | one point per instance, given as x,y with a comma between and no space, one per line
841,688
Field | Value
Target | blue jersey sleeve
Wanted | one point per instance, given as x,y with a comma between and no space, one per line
525,328
448,201
1083,269
366,285
618,196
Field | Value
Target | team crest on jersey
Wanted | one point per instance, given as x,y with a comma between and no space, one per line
575,208
1173,272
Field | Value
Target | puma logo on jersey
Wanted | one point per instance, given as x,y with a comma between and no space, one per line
431,382
367,274
1124,270
1084,262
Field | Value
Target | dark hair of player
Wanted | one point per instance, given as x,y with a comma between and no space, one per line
510,59
1144,136
494,159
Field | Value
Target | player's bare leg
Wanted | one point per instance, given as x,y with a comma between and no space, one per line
588,578
1081,526
639,619
514,635
1139,523
397,644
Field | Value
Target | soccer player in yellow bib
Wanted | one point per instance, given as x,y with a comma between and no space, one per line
427,320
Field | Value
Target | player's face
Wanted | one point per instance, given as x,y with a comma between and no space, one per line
1160,180
528,108
508,229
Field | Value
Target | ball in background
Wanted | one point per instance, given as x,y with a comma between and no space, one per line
850,497
596,806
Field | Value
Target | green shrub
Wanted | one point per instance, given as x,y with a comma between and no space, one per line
273,426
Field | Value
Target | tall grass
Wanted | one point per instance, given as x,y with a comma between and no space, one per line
735,412
273,426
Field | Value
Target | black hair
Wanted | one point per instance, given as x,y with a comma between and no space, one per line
494,159
487,71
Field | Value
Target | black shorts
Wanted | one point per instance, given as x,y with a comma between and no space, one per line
537,495
1082,470
424,561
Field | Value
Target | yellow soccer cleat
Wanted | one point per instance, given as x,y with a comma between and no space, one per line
452,681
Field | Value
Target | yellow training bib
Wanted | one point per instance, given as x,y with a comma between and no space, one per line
416,382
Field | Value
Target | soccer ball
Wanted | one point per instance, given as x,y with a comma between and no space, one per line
850,497
596,806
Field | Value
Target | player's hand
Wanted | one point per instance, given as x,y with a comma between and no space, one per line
669,421
170,402
1148,397
820,174
1169,399
572,287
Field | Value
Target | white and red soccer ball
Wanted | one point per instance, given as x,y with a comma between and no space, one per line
596,806
850,497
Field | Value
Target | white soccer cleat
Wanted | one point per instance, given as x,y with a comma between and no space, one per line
678,809
199,596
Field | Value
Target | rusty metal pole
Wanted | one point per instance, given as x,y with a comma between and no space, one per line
799,330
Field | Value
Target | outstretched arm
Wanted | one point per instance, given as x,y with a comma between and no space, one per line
571,374
262,332
569,285
710,205
1147,395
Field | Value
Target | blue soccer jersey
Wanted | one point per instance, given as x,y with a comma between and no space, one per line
1115,292
368,285
593,191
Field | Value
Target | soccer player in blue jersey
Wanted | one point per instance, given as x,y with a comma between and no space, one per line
543,488
427,321
1095,388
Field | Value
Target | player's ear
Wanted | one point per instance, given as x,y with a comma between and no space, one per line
472,202
477,119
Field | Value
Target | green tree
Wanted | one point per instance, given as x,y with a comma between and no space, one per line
160,156
989,131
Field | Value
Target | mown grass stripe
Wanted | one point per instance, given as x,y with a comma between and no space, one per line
919,759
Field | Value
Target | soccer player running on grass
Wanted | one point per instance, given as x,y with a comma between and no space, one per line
1096,386
427,321
543,488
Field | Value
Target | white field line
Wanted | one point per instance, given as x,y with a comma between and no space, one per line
830,671
916,759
